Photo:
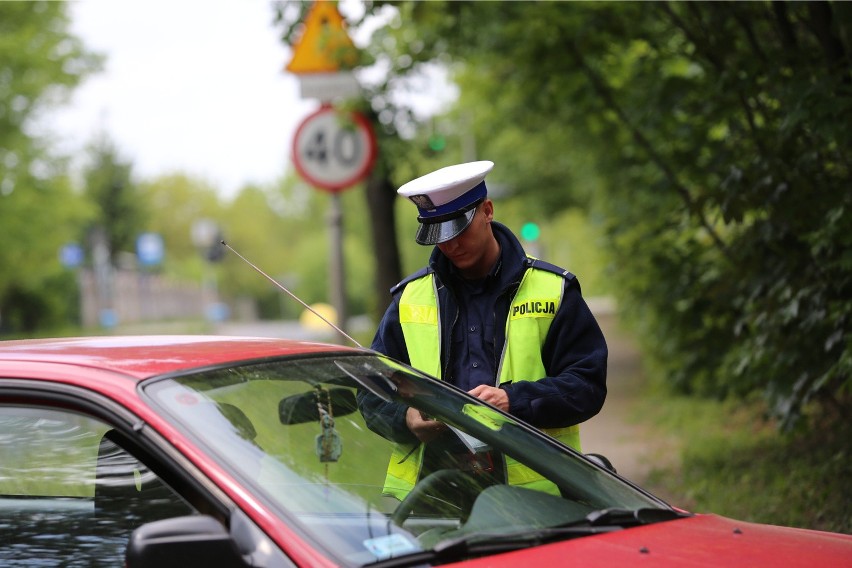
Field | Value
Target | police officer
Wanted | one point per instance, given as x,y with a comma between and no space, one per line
509,329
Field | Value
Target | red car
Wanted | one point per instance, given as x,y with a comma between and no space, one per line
212,451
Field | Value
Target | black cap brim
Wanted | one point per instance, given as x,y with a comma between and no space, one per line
435,233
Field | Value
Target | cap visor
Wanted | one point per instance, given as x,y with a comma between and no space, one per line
434,233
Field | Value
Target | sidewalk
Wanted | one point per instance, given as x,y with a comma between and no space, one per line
617,431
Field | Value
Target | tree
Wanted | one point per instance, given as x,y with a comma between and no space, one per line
110,187
716,136
173,203
40,63
394,126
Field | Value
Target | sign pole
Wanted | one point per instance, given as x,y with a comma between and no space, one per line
332,149
337,281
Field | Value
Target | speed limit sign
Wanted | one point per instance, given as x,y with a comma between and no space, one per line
334,149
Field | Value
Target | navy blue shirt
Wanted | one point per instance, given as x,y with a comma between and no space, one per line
474,359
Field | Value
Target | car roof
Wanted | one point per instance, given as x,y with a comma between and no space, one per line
143,356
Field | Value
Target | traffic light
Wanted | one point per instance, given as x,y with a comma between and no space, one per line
530,232
437,143
216,250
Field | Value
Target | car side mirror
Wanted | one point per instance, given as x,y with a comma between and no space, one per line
183,542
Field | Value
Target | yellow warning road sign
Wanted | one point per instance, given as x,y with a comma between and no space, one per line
324,45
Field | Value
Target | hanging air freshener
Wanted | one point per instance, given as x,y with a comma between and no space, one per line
329,446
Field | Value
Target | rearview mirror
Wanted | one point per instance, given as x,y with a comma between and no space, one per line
301,408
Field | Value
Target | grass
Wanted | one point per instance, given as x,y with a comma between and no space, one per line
737,464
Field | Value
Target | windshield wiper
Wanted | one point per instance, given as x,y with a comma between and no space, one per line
597,522
494,542
486,543
626,517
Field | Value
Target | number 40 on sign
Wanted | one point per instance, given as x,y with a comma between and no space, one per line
334,149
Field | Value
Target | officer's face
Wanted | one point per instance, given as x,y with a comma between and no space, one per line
474,251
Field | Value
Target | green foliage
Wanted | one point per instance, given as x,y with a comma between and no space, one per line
568,239
39,63
743,256
284,230
712,141
174,203
109,186
734,464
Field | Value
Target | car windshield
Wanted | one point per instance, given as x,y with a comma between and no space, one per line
319,440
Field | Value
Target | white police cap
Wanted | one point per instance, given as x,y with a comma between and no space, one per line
446,200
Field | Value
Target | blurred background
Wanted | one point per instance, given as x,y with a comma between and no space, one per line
690,162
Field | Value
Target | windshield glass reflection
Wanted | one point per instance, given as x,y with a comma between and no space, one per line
310,436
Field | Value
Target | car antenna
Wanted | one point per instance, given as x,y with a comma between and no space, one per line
292,295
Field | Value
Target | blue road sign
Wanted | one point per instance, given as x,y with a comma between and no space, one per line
71,255
150,249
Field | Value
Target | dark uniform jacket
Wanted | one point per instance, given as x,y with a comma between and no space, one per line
574,353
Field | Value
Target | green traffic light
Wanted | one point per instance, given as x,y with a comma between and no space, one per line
530,232
437,142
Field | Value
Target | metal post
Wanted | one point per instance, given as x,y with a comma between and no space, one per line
103,269
337,290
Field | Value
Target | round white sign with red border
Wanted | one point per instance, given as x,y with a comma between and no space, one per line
334,149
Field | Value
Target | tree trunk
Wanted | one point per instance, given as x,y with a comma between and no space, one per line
381,195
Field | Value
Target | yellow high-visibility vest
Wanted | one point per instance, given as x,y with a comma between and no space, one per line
530,315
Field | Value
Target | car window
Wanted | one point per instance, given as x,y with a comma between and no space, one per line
70,492
306,436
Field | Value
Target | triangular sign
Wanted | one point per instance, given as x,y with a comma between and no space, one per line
324,46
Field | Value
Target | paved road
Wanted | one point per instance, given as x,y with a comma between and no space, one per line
615,431
292,330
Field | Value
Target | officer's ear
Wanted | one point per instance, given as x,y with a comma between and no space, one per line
488,210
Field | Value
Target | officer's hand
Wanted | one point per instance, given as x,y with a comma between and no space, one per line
425,429
492,395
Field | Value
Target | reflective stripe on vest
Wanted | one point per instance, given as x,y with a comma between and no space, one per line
421,325
532,311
